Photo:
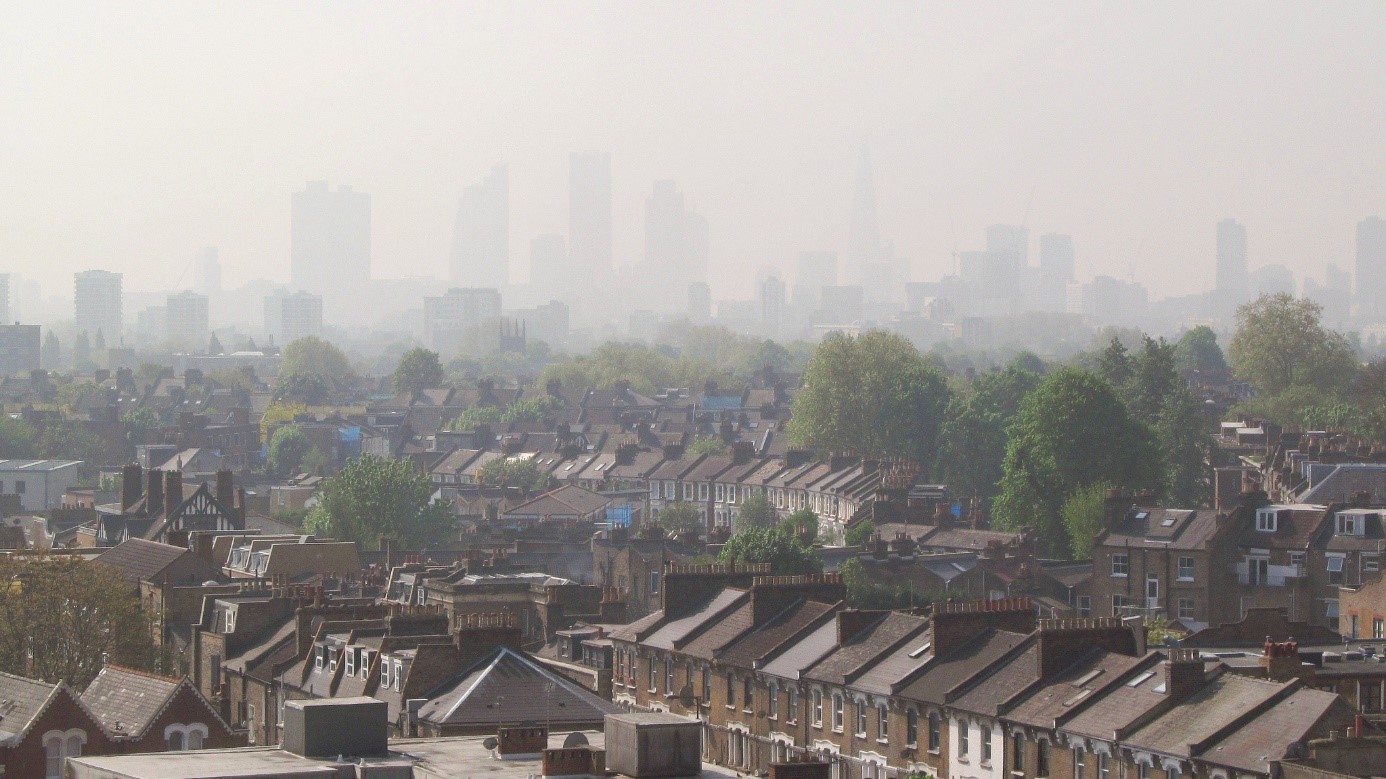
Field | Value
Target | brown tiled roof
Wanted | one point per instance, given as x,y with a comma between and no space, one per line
1187,528
940,676
1295,528
867,645
1044,705
127,702
795,619
1270,736
722,631
138,559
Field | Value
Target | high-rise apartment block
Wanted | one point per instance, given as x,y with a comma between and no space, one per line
96,304
19,349
447,317
772,302
4,297
1233,276
289,317
816,270
1371,268
207,272
1056,270
331,244
699,302
676,242
481,234
589,216
187,322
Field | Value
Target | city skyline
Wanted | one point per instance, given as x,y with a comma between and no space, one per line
972,117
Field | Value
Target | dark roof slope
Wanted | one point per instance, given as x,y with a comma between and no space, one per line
126,702
528,692
138,559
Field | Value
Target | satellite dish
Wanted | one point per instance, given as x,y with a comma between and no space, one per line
490,742
574,739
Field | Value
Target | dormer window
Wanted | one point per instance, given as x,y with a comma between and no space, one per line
318,657
350,662
384,673
1267,520
1351,523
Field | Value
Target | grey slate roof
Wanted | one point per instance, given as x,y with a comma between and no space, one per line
21,700
527,690
130,699
138,559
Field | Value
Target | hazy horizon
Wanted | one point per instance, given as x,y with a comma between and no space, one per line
135,135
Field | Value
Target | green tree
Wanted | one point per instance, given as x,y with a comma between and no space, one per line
802,524
1082,516
528,409
864,593
418,370
309,389
1114,363
287,448
137,424
18,439
70,440
756,511
768,545
680,518
973,439
1182,433
873,394
316,357
214,345
52,356
1280,343
513,472
316,461
99,343
707,445
81,352
1197,352
860,534
1154,380
473,417
373,500
1071,432
61,615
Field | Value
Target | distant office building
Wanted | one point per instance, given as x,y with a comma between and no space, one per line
151,326
25,299
289,317
816,270
1009,247
1233,277
589,216
96,303
481,234
331,245
187,322
549,323
447,317
1334,294
644,325
772,301
699,302
1110,301
843,305
1371,268
676,242
1056,270
864,233
5,297
19,349
207,272
549,271
1273,280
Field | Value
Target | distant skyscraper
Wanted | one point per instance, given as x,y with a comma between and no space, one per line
1056,270
4,298
331,244
550,273
291,317
676,245
772,300
19,348
481,234
589,215
96,304
207,272
869,259
1009,247
1371,268
187,322
699,302
1233,277
816,271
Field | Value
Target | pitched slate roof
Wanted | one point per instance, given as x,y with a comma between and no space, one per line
939,677
679,629
527,691
1271,735
867,645
1092,672
21,701
138,559
130,699
568,499
791,661
1348,478
751,647
1195,719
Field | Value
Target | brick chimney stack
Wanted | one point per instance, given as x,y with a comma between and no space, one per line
226,490
154,502
173,492
1183,673
130,487
957,623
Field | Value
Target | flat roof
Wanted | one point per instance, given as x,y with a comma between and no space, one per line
37,465
430,758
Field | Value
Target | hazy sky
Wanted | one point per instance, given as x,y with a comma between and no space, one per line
133,134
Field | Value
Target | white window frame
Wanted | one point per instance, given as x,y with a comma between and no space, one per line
1186,572
1267,520
1121,565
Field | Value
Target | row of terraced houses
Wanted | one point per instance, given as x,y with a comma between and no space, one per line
778,668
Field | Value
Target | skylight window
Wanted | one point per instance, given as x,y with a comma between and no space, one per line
1087,677
924,647
1139,680
1168,521
1143,515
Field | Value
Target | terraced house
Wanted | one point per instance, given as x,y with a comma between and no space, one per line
778,667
